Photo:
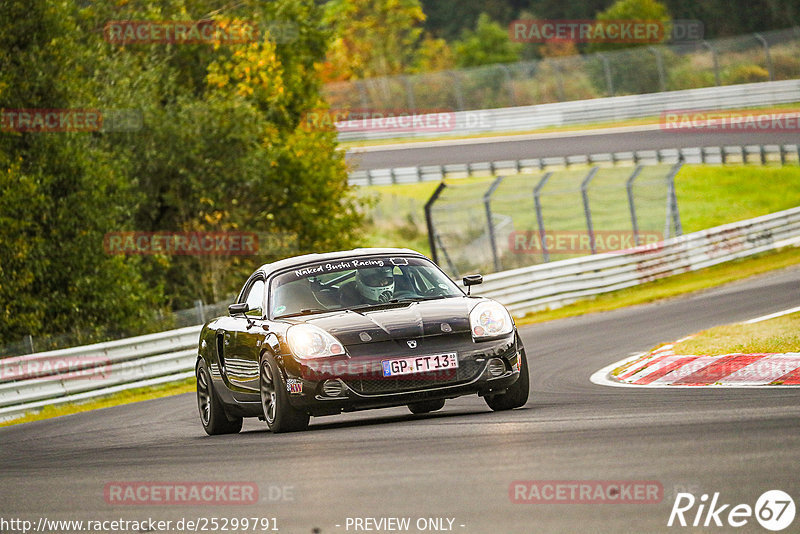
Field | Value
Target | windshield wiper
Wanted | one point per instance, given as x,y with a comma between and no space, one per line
394,302
304,311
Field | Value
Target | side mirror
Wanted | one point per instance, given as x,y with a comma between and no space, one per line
238,308
472,280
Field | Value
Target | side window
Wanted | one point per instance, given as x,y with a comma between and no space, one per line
255,298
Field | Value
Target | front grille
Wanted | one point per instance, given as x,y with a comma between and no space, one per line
467,370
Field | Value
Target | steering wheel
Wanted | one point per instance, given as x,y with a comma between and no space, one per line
404,293
432,292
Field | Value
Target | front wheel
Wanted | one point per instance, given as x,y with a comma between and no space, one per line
516,395
212,414
278,413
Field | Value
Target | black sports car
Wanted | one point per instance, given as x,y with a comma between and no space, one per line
369,328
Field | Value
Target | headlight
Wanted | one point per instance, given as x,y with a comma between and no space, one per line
490,319
307,341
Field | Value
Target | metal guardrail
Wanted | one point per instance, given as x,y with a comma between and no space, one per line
710,154
167,356
79,373
679,66
551,285
616,108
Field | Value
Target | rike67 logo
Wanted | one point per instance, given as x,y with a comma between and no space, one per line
774,510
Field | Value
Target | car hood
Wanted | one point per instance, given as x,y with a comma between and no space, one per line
404,321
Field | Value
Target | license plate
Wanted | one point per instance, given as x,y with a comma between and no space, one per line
420,364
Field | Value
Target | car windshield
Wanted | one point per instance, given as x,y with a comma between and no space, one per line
357,283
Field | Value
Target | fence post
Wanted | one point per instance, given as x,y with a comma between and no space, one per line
507,73
539,219
457,86
410,100
429,219
362,93
662,84
760,39
487,204
29,342
201,313
672,201
632,203
715,59
559,81
450,263
586,210
607,72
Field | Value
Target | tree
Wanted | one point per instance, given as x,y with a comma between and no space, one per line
372,37
60,192
638,10
489,43
433,55
223,146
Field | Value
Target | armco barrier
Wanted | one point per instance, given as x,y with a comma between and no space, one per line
66,375
554,284
167,356
616,108
759,154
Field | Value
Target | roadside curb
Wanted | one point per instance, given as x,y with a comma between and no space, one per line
663,368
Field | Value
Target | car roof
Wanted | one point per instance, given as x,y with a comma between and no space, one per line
288,263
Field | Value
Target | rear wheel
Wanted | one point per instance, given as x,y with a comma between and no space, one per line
278,413
212,415
515,396
426,406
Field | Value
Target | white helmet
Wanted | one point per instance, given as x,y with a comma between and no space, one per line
375,285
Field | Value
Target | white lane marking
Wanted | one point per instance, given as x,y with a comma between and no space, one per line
500,139
772,315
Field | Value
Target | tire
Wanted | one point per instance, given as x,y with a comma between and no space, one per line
426,406
515,396
279,415
212,414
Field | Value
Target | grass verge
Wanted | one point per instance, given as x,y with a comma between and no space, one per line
778,335
673,286
124,397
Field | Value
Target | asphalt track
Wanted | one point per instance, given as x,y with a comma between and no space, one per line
457,463
554,145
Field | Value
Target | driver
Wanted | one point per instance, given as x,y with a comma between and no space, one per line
370,287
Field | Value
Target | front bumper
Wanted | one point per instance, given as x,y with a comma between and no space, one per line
362,386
